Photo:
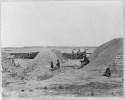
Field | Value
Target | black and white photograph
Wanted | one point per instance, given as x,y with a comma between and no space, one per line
62,49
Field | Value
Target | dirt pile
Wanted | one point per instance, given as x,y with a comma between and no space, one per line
44,58
7,61
32,68
40,66
107,55
59,55
4,56
8,64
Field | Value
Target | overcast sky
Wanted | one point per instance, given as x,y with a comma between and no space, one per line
60,23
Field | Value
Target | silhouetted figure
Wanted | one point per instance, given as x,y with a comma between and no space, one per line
78,52
84,53
52,66
84,62
86,59
107,72
58,64
72,54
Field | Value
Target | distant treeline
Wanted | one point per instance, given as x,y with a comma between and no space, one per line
30,55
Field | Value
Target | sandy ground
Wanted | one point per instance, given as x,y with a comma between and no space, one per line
66,81
34,79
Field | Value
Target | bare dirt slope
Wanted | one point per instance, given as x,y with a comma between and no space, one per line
107,55
109,47
30,69
4,56
48,56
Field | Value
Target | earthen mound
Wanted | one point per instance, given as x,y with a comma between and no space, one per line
109,54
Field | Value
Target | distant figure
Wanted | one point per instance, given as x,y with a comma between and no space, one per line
107,72
84,52
86,59
72,54
52,65
84,62
78,52
58,64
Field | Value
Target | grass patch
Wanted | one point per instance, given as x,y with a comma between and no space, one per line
44,77
92,89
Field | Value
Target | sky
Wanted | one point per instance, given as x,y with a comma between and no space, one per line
60,23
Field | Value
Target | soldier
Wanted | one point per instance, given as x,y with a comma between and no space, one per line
84,52
58,64
107,72
52,65
78,52
85,61
72,54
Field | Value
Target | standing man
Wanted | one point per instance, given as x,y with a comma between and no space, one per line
72,54
86,60
58,64
51,65
78,52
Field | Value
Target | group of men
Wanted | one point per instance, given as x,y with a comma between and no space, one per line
58,64
75,56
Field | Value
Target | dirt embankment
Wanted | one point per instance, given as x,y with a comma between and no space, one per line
109,54
48,56
30,69
4,55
